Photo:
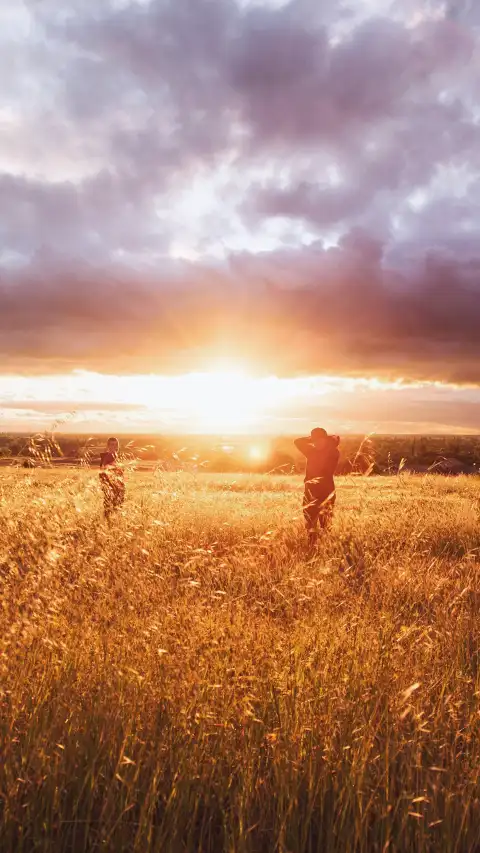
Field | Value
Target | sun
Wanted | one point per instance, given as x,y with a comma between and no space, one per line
223,398
225,401
256,453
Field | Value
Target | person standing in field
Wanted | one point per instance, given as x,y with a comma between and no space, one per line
322,455
111,478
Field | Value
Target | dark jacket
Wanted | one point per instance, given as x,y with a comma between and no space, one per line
321,465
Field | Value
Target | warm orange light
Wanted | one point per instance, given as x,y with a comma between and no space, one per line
223,401
256,453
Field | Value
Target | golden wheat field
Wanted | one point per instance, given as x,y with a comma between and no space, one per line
188,680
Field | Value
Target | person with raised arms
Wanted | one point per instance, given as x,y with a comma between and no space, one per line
322,455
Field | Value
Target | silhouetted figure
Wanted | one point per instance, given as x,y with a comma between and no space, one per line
321,452
111,478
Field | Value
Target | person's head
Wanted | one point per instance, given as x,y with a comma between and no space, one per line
318,436
113,445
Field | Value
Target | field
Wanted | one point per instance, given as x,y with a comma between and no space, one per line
187,680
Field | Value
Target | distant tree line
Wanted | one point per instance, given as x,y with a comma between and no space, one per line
373,454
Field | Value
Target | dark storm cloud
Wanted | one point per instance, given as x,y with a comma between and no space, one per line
339,309
160,92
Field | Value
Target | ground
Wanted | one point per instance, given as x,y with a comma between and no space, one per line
188,680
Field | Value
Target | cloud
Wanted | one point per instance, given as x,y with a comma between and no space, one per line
298,88
94,219
307,310
304,125
378,174
72,407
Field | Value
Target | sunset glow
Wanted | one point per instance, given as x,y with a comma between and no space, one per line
270,223
232,401
218,402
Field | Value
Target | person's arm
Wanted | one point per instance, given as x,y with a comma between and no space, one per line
105,460
304,445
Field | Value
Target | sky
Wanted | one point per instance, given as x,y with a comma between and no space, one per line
228,215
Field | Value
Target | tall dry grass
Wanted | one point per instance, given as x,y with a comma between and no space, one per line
186,680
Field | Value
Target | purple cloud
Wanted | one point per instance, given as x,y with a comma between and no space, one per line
321,123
